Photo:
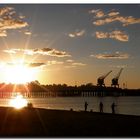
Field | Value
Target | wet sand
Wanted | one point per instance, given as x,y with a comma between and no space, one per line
34,122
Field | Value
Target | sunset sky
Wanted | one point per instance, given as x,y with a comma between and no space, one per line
71,43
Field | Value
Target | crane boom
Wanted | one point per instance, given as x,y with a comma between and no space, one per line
107,74
118,75
104,76
100,80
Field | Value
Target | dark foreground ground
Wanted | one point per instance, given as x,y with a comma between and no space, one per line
55,123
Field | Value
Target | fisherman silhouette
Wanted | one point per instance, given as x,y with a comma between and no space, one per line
101,107
86,104
113,108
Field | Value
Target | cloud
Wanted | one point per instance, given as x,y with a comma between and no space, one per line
107,20
113,13
98,13
112,16
129,20
116,55
3,33
93,11
47,51
27,33
26,64
101,35
118,35
69,61
78,64
74,64
43,51
36,64
70,66
123,66
12,51
5,10
54,62
9,20
12,24
124,20
21,16
77,33
118,66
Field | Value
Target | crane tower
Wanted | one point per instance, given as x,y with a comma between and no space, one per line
115,79
100,80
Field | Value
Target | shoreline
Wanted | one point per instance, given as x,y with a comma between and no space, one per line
39,122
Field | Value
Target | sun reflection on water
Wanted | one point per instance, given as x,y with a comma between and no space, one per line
18,102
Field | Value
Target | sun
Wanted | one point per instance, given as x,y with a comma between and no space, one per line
19,73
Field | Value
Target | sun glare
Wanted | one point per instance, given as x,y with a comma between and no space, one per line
18,102
19,73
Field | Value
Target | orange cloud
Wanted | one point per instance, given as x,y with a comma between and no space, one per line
113,13
124,20
69,60
9,21
100,35
5,10
98,13
112,16
3,33
54,62
78,64
43,51
118,35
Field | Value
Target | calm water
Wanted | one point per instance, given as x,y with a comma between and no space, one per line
125,105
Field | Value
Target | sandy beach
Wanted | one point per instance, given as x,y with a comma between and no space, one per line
35,122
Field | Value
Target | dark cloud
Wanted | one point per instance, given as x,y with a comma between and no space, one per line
116,55
36,64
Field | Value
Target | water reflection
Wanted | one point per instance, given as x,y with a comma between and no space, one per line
125,104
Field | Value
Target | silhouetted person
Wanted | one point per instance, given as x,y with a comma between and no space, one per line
113,108
86,104
101,107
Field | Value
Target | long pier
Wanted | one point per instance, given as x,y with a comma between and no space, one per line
72,93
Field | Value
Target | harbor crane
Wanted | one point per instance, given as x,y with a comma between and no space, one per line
115,79
100,80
